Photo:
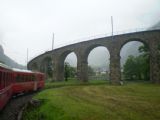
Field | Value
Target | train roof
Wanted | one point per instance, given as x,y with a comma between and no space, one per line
25,71
5,66
21,70
18,70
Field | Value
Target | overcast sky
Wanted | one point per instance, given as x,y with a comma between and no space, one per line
30,23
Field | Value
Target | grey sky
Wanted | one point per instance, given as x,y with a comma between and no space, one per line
30,23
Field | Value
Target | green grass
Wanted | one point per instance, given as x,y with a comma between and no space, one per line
73,82
133,101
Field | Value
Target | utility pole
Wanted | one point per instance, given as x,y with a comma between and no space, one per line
27,55
53,42
112,40
52,56
112,26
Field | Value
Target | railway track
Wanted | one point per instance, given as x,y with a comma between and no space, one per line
14,106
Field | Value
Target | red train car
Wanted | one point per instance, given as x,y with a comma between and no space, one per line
15,81
6,77
25,81
40,78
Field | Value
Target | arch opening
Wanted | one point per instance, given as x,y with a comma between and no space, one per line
135,61
98,63
69,65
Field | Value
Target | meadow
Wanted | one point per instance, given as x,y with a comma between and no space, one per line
97,100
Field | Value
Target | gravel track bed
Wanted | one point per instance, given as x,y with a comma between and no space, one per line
14,106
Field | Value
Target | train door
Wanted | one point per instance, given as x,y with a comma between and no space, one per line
1,83
35,82
3,79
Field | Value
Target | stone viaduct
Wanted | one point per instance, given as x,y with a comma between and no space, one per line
151,38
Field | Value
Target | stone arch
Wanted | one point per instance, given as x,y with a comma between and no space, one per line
88,51
142,41
61,60
133,39
91,47
151,38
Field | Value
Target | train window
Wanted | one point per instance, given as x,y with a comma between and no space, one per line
33,78
30,78
9,78
1,80
6,79
26,78
0,75
22,78
40,77
18,78
3,74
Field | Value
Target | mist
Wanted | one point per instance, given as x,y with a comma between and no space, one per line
31,24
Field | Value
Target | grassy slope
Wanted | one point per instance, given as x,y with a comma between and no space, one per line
136,101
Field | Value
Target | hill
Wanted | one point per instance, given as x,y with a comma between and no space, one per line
8,61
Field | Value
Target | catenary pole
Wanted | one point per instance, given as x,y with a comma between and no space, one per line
53,42
52,55
112,39
27,59
112,26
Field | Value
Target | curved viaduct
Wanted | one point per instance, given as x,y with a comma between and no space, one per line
150,38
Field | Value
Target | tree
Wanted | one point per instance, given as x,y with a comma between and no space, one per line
130,68
50,69
159,55
90,71
145,67
69,71
137,68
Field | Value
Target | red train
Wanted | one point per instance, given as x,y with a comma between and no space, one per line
15,81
